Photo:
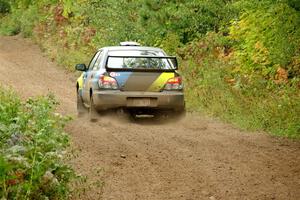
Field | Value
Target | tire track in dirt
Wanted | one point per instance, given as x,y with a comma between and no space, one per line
196,158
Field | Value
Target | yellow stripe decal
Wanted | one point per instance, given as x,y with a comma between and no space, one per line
80,81
160,81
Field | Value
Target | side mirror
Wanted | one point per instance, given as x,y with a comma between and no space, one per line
81,67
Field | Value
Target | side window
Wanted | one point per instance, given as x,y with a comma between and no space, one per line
92,63
98,62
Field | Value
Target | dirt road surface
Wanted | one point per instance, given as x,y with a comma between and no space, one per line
196,158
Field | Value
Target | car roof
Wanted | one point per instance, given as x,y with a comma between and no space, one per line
128,48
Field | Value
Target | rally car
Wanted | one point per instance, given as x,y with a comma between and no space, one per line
136,79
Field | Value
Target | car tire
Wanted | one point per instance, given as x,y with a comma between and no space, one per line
81,109
93,114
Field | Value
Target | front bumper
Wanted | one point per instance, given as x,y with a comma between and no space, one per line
108,99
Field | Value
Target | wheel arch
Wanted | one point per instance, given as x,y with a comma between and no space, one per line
91,92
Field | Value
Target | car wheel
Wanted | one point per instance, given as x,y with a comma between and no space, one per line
93,114
81,110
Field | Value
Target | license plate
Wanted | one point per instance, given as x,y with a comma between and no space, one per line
139,102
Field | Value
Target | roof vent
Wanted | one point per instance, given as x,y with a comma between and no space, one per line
130,44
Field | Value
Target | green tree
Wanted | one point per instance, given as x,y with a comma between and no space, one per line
188,19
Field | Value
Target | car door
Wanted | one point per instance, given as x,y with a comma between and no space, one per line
86,78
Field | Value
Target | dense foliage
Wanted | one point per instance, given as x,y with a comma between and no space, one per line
240,58
248,102
268,37
33,149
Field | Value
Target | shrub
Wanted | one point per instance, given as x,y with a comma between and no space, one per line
33,148
4,7
10,25
267,38
20,21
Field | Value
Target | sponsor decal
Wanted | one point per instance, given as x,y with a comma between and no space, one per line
114,74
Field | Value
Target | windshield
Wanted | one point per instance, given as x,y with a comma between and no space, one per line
152,60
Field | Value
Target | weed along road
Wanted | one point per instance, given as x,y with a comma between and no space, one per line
196,158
